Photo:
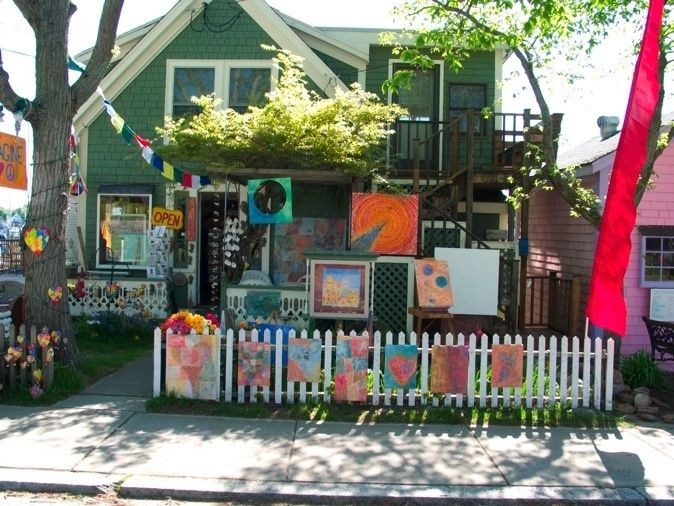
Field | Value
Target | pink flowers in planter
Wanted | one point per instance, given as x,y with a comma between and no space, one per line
183,322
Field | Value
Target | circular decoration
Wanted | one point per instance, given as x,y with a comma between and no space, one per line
269,201
441,281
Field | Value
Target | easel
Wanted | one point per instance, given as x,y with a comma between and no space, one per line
431,314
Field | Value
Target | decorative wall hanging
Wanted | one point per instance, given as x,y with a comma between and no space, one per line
289,240
340,289
13,162
400,368
507,363
193,366
433,287
55,293
304,360
384,223
351,368
254,367
36,239
270,201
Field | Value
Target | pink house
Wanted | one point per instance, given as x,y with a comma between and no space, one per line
565,245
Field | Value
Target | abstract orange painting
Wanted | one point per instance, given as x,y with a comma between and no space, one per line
384,223
506,363
449,369
433,287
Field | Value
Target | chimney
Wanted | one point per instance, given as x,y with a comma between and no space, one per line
608,126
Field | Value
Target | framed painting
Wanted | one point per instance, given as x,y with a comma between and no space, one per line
340,289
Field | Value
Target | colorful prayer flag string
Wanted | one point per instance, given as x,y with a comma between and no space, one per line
182,177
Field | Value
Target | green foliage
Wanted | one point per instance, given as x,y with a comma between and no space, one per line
295,128
639,370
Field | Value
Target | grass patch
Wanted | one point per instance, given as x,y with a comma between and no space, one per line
553,416
105,344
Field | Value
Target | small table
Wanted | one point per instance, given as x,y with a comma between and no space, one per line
442,314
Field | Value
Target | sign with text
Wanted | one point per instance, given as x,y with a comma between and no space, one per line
13,162
168,218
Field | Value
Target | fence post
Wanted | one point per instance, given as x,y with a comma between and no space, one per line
156,359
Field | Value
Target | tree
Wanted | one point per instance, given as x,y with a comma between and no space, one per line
50,114
536,33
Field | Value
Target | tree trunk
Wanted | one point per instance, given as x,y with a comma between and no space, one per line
52,119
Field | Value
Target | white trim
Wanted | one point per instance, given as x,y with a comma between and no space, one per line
499,57
643,283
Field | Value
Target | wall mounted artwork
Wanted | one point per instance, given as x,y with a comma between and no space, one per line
449,369
289,240
270,201
254,364
400,366
193,366
340,289
351,368
433,286
304,360
506,364
384,223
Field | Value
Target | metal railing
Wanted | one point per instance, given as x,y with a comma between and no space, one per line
11,255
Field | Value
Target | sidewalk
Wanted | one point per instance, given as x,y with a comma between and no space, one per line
103,438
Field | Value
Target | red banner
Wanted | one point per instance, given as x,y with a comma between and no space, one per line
606,305
13,162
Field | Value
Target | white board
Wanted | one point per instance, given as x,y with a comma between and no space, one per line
662,304
473,274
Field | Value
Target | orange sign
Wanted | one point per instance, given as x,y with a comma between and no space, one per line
168,218
13,162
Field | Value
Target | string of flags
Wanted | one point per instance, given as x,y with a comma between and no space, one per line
77,185
180,176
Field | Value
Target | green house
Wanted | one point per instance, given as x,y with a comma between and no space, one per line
444,150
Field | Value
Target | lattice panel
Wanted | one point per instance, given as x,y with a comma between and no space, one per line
390,296
146,298
440,237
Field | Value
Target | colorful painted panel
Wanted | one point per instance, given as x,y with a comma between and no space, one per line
351,369
439,369
506,365
433,287
304,360
254,364
384,223
400,368
303,234
270,201
449,369
193,366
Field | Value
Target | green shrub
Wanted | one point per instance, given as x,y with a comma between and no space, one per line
639,370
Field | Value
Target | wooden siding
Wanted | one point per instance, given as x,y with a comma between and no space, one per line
656,208
559,242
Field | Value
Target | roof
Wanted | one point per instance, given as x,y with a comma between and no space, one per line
145,43
592,150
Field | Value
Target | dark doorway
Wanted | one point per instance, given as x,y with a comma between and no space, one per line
214,209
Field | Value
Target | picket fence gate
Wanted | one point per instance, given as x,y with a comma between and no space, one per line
585,374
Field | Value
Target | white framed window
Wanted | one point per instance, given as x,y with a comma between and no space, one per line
123,223
237,83
657,260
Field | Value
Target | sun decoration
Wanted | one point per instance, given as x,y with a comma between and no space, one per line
183,322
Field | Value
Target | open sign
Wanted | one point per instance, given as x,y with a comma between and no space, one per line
169,218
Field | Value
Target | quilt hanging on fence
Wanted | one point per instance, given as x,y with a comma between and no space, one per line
449,369
507,363
304,360
193,366
254,364
433,287
400,366
351,368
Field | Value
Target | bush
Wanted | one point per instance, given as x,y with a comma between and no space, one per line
639,370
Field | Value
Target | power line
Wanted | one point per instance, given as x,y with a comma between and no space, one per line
17,52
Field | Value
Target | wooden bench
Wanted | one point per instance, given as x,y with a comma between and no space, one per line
662,339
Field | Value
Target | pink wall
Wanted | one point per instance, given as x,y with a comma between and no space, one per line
656,208
559,242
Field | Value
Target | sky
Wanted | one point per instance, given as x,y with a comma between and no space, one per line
602,91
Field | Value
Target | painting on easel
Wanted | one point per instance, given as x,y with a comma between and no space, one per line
433,287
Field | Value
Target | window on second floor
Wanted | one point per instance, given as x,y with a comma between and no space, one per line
237,83
467,96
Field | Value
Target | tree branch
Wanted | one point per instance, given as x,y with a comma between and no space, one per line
8,96
97,67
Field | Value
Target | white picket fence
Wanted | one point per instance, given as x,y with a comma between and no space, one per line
589,368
